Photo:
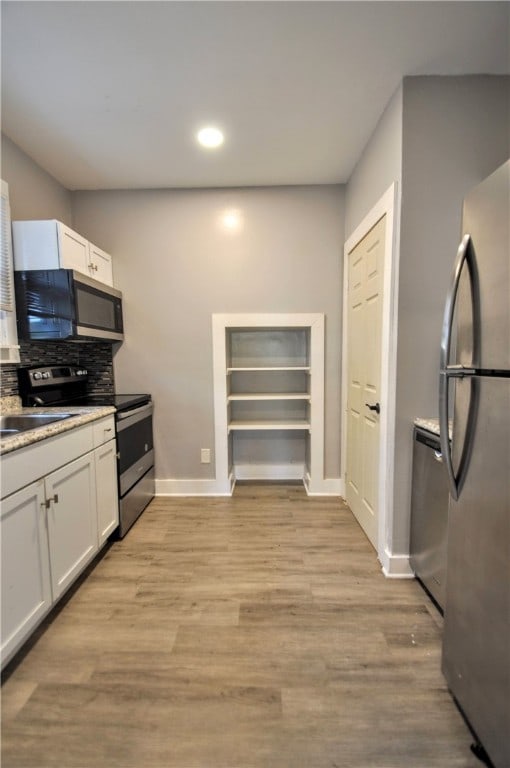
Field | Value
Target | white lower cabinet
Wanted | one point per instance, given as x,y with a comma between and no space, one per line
53,527
26,582
72,521
106,490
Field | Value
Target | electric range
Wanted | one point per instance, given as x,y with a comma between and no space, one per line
68,385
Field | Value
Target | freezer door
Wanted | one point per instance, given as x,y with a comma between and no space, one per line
476,643
486,218
476,325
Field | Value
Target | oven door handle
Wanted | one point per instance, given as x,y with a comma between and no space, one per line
134,412
126,419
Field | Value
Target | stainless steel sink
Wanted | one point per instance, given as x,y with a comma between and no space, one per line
13,423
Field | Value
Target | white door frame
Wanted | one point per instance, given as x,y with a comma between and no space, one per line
387,205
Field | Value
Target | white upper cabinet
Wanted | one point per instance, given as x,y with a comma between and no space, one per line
72,251
100,265
49,244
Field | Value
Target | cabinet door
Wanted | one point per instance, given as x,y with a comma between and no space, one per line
72,520
100,265
73,250
106,490
26,590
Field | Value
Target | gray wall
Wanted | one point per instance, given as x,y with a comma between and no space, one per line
33,193
437,138
455,133
378,167
176,266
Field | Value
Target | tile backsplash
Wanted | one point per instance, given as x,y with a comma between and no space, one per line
96,357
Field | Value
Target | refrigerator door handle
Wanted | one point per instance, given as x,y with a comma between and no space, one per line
465,256
444,435
464,253
460,371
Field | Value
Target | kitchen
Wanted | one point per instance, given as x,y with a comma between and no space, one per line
436,137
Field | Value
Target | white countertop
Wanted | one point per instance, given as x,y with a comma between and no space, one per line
81,415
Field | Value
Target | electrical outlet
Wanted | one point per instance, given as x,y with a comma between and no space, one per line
205,455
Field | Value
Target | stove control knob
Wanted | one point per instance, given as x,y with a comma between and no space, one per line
37,375
46,375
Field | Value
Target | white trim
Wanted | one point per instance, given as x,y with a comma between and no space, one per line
328,486
313,321
171,487
388,206
269,471
396,566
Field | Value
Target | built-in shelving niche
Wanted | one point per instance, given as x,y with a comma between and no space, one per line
269,397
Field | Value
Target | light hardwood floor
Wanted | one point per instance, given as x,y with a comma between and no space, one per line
236,633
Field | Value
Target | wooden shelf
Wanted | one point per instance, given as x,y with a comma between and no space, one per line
269,396
298,424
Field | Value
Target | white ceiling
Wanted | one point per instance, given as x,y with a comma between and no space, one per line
108,95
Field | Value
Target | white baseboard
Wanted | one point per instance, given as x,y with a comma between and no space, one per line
327,486
396,566
269,471
170,487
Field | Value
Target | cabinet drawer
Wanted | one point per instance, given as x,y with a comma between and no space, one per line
104,430
26,465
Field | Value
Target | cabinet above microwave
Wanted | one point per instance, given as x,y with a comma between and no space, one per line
49,244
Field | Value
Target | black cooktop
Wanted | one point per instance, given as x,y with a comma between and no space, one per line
120,402
66,385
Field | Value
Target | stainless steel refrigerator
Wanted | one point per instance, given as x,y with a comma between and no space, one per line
475,389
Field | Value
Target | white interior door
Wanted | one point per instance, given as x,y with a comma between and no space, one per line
364,335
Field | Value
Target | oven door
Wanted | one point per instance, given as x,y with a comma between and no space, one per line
135,445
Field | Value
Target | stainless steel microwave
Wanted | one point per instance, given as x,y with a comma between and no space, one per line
65,305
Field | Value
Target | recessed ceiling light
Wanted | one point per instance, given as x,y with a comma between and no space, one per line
210,137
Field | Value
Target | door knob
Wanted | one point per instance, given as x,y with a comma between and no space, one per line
376,407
